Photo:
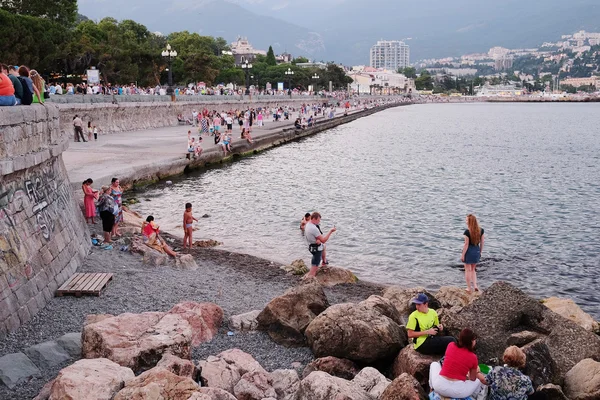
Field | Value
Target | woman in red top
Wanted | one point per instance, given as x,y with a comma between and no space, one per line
457,378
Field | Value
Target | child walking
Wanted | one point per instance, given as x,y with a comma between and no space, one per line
188,221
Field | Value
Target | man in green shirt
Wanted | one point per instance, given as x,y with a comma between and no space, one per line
424,328
12,73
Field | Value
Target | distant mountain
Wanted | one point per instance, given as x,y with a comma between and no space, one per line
344,30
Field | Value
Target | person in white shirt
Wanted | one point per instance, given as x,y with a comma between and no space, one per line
316,243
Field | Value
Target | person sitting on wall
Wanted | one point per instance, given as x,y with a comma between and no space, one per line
298,124
425,330
152,239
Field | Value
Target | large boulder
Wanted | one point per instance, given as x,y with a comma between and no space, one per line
178,366
582,382
334,366
244,322
503,310
384,307
286,317
415,364
356,332
226,369
286,383
255,385
568,309
539,365
17,368
371,381
335,276
158,383
186,262
98,379
452,296
204,319
138,341
404,387
548,391
400,298
208,393
151,257
322,386
47,354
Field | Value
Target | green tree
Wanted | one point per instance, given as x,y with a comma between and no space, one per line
424,81
409,72
568,88
63,12
299,60
271,57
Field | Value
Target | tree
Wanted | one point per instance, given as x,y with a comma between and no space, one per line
299,60
424,81
63,12
409,72
271,57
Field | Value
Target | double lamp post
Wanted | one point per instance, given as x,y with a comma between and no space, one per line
246,66
169,55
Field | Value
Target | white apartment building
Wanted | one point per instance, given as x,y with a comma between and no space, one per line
390,54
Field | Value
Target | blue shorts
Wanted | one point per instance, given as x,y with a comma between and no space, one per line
316,259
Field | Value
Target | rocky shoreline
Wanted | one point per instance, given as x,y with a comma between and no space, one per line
247,328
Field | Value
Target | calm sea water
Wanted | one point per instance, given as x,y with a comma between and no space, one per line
398,185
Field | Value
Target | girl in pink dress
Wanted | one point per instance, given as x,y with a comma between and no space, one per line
89,196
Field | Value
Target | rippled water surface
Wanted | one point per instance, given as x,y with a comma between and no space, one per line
398,185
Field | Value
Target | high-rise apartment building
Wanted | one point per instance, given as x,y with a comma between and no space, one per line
390,54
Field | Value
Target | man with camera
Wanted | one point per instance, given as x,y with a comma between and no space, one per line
316,243
425,330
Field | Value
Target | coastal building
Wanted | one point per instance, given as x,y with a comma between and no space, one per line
284,58
577,82
312,65
390,54
369,79
498,90
243,51
502,63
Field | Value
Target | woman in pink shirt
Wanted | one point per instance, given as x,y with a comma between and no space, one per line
457,378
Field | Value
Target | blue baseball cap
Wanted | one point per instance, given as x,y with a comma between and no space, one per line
421,298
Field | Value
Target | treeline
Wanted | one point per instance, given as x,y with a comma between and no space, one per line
49,37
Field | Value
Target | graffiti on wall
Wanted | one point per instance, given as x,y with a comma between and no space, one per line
29,214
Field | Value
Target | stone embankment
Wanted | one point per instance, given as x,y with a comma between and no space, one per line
43,239
125,116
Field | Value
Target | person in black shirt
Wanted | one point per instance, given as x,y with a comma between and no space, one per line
471,253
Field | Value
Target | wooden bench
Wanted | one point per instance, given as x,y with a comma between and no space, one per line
84,284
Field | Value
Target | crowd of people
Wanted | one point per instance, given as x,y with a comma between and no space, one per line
21,86
106,203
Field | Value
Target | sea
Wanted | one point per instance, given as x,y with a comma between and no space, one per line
397,186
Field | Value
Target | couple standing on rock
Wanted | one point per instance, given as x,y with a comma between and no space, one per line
316,242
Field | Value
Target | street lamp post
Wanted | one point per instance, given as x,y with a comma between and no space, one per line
246,66
316,78
169,54
289,74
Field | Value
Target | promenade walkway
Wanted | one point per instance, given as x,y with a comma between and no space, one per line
128,154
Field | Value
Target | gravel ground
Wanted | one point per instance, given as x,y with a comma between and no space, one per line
237,282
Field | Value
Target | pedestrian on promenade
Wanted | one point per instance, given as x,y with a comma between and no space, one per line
471,252
316,243
78,125
116,192
106,206
90,195
188,222
90,131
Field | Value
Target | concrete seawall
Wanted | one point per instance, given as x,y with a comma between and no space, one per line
132,116
43,237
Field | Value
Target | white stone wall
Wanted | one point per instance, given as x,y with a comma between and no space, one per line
43,236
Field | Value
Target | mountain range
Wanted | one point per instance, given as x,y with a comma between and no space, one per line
344,30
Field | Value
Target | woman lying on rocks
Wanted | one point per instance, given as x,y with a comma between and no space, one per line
152,239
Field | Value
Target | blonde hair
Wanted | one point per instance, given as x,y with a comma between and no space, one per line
514,357
474,230
37,80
